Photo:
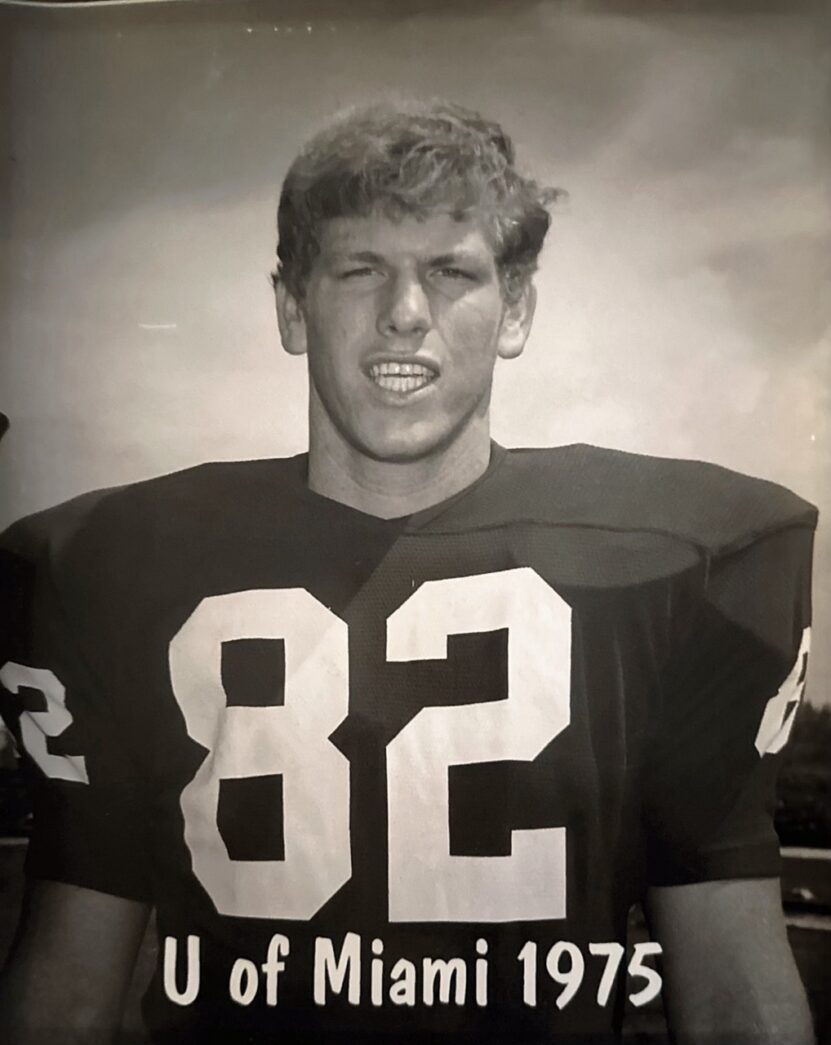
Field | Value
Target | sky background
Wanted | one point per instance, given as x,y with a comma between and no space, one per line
684,292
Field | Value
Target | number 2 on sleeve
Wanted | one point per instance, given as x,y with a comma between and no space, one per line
37,726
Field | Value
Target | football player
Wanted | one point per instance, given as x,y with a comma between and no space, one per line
392,734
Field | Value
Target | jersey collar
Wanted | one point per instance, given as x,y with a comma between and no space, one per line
403,523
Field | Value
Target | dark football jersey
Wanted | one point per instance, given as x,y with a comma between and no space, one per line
402,779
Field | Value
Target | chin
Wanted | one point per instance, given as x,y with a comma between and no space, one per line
399,453
404,447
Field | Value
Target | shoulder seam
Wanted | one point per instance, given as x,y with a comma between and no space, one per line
727,549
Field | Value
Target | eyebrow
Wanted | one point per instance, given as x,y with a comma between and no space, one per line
452,258
358,255
456,257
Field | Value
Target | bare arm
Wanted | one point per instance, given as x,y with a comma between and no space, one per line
70,966
729,972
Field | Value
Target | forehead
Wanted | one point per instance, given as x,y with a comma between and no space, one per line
436,236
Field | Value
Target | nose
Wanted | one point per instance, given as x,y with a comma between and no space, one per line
406,310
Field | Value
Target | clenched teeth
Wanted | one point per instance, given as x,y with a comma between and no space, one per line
401,377
402,384
391,369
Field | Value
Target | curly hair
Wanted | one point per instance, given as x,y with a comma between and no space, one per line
413,159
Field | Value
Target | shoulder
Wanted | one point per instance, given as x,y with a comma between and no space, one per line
750,539
165,512
714,508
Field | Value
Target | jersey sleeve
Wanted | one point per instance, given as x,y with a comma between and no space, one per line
90,820
729,696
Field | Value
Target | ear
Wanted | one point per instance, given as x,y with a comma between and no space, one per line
290,320
516,323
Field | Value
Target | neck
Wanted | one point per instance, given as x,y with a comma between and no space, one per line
389,489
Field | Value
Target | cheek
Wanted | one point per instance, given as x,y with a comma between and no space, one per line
469,329
472,353
335,343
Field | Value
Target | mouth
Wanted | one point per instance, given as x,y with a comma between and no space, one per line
402,377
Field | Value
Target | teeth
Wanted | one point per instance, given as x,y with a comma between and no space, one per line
400,370
401,377
401,384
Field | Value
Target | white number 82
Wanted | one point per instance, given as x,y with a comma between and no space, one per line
426,883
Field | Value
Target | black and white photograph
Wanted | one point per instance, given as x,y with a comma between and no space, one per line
415,574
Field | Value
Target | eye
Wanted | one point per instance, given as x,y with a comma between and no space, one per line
362,271
451,272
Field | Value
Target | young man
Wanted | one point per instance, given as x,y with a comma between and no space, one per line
392,734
